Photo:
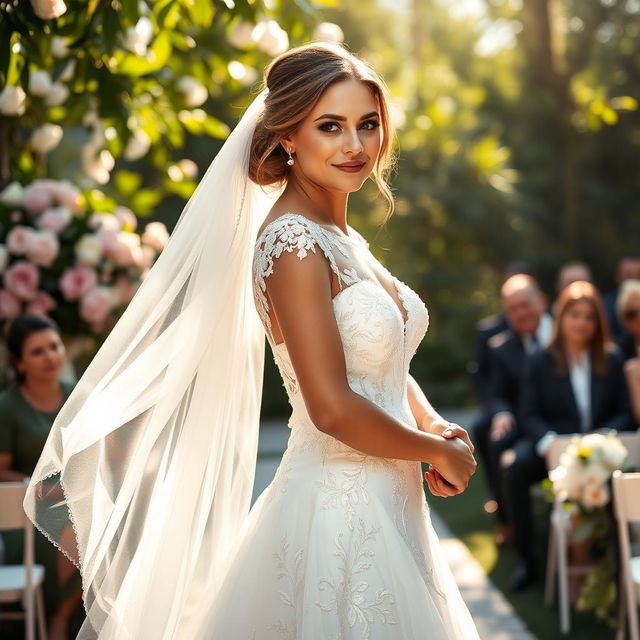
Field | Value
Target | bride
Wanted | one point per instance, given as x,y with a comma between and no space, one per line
146,478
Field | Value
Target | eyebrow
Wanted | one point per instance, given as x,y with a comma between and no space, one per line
333,116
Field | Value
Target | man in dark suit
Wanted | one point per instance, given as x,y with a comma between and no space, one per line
524,307
480,367
548,406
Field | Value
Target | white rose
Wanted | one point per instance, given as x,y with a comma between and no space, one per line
46,137
270,37
137,39
240,35
189,168
39,83
595,496
241,72
59,47
4,258
195,92
328,32
12,194
12,101
48,9
138,146
57,95
89,249
615,453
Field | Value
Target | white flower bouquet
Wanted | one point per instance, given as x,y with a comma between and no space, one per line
582,483
585,470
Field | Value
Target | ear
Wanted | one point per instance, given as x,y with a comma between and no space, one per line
287,144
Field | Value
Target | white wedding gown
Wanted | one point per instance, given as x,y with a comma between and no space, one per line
340,545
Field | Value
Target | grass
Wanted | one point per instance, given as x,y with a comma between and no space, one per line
467,519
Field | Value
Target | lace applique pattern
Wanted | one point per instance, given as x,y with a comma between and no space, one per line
294,232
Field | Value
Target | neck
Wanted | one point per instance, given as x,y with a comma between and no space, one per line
41,389
327,207
575,350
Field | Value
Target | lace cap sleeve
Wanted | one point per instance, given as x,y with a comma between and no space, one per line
297,234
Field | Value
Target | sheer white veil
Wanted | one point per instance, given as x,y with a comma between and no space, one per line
147,474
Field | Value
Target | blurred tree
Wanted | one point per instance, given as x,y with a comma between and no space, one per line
139,77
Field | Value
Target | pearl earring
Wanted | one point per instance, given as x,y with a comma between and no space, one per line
290,160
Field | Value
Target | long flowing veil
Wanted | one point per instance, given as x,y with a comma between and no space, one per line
147,473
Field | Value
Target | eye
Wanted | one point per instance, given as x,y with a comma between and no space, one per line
374,125
325,126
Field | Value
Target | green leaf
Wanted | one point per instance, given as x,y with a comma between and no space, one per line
215,128
5,51
158,56
127,182
144,201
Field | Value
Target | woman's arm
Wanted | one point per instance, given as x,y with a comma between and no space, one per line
428,419
300,294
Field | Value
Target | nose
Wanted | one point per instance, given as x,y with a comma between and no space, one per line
352,143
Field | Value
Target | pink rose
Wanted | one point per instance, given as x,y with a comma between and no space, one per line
44,248
38,196
22,279
156,235
124,289
127,250
77,281
68,195
42,303
19,239
95,305
10,306
55,219
109,239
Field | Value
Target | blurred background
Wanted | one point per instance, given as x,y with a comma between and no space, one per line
518,139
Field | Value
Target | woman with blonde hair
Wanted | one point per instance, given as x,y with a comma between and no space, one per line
156,452
575,385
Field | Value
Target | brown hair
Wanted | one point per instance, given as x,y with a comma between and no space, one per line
581,291
296,80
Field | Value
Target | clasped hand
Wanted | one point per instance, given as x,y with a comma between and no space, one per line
455,465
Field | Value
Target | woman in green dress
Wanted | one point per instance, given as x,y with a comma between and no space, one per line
28,408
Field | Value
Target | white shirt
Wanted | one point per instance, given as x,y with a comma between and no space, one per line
543,334
580,373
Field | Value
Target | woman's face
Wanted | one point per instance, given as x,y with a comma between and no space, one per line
579,323
343,127
42,356
631,316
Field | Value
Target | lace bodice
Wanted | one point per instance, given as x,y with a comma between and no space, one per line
378,343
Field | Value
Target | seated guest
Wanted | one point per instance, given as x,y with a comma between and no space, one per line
629,313
524,307
628,269
576,384
480,366
572,272
28,408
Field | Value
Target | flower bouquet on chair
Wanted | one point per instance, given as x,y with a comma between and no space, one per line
581,486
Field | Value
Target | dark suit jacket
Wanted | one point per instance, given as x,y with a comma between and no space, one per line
507,363
547,402
610,300
627,346
480,367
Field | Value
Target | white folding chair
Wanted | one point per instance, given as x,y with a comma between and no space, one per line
21,582
626,488
560,528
